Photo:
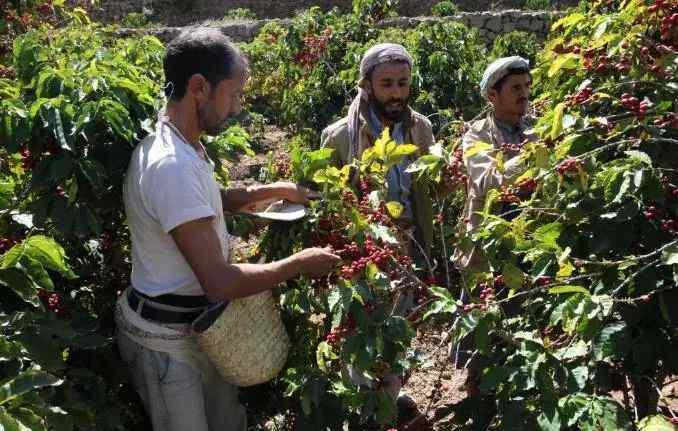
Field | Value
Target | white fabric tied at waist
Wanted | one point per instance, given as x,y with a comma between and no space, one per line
176,339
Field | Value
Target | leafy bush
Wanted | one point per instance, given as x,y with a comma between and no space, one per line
537,4
304,75
445,8
576,302
240,13
516,43
69,119
134,20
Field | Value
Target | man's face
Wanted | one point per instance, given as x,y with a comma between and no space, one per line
389,89
514,96
223,102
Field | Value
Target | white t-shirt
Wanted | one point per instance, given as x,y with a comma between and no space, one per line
168,184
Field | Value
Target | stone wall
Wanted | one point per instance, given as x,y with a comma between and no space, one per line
185,12
490,25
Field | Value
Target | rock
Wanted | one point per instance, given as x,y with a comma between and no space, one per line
494,24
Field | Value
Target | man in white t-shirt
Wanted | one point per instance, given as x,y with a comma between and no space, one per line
174,209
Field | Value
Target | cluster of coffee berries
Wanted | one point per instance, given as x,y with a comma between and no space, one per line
342,331
543,280
582,97
665,221
360,259
633,104
506,195
314,47
6,244
526,186
282,168
453,172
7,72
569,166
668,120
54,303
486,292
512,149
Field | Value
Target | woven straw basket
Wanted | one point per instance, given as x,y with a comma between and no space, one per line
248,343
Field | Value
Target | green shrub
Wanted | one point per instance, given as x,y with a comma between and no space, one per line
537,4
516,43
134,20
445,8
240,13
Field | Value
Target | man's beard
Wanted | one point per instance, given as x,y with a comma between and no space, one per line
388,110
210,126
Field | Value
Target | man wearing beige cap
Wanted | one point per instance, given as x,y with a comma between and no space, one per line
506,85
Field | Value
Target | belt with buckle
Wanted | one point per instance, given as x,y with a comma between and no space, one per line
151,308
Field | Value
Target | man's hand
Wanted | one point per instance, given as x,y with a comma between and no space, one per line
317,262
248,198
294,192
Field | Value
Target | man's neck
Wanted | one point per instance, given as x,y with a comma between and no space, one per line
508,118
185,120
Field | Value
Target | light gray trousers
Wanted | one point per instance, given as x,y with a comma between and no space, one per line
175,395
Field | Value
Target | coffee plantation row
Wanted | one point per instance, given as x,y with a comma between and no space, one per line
588,265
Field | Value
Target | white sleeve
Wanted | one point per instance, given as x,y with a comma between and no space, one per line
175,194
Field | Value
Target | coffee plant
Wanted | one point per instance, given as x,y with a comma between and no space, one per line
78,100
577,303
351,328
573,327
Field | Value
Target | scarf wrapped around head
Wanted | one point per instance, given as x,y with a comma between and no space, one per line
499,69
378,54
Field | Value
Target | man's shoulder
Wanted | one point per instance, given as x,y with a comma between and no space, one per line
337,131
339,126
478,130
420,120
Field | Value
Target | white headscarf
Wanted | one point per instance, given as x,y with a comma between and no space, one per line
499,69
378,54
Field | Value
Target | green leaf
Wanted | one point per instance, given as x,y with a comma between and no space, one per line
478,147
612,343
670,255
395,209
324,354
655,423
566,61
513,276
26,382
557,124
21,284
639,156
44,250
8,423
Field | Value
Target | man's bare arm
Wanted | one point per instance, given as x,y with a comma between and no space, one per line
199,244
240,198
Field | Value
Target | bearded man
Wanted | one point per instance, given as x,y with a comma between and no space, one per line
383,102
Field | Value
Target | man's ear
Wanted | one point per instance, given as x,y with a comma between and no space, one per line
198,86
493,95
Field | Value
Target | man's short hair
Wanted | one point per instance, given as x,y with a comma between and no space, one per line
205,51
511,71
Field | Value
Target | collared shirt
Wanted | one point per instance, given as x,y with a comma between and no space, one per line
484,174
511,134
398,180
